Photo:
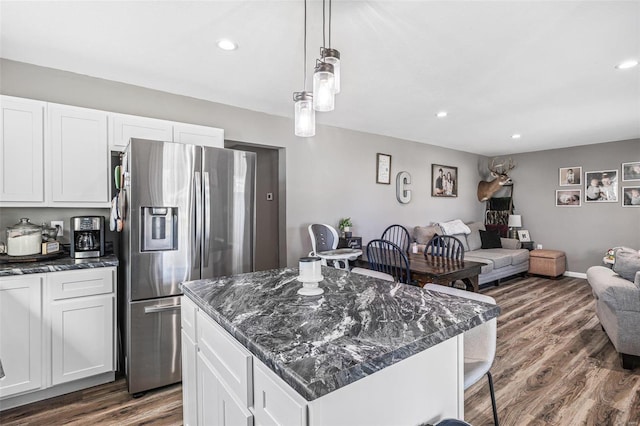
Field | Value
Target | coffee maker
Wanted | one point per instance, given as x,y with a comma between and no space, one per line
87,236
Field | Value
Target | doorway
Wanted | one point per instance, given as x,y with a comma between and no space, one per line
270,249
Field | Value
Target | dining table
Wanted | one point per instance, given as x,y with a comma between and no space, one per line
442,270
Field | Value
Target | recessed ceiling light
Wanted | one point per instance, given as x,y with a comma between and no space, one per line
226,44
441,114
516,136
627,64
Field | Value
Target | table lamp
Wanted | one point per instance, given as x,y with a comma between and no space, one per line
515,221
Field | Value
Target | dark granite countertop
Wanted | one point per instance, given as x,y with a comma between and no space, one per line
318,344
65,263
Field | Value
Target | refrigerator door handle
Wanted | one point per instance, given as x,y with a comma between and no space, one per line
160,308
197,185
207,218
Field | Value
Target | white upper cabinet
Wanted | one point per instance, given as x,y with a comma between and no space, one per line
78,153
198,135
21,151
125,127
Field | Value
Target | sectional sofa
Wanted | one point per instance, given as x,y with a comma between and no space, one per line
500,263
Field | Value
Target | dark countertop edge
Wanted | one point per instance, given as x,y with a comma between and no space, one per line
350,375
58,265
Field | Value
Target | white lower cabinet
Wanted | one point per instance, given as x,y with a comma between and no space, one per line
21,334
57,333
422,388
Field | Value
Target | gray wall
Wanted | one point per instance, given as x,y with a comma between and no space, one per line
328,177
586,232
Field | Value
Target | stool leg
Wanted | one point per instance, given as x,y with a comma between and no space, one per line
493,399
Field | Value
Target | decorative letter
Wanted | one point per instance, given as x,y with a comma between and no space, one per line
403,195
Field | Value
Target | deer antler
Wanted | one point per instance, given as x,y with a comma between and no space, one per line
500,168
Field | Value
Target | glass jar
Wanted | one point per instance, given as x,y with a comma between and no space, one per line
24,238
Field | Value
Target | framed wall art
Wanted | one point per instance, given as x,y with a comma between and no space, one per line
523,235
383,169
631,196
444,181
631,171
568,197
601,186
570,176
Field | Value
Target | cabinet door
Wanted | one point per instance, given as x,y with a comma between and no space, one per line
21,148
21,334
81,338
79,156
198,135
125,127
216,404
189,384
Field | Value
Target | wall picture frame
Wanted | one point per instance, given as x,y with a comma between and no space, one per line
523,236
631,171
631,196
601,186
383,169
569,176
444,181
568,197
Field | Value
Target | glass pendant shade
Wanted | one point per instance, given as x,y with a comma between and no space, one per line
305,115
332,56
323,87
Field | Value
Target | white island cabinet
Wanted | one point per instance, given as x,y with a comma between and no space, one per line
229,386
57,333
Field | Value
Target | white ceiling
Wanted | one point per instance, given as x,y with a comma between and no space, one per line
544,69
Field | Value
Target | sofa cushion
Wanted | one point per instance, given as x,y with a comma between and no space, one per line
463,240
473,239
519,256
499,256
619,294
627,264
423,234
510,243
490,240
487,264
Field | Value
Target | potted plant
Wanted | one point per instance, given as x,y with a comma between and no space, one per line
345,226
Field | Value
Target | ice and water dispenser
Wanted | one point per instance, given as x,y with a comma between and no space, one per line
159,228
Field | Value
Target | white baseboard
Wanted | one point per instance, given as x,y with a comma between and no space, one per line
575,275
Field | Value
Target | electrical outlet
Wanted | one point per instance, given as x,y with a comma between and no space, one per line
539,247
60,225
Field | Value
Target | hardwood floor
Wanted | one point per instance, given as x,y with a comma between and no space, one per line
554,366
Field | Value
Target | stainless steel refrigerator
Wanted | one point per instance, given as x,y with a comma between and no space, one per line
188,214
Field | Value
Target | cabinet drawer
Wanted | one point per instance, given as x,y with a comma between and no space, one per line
230,360
188,320
273,403
69,284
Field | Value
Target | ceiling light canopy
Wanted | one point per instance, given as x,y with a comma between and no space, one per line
226,44
627,64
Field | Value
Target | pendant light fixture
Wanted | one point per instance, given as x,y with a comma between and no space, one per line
332,56
305,115
323,78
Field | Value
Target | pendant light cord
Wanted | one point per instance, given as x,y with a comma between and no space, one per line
329,24
324,40
304,49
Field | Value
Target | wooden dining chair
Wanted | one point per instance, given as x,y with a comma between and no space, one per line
385,256
446,246
398,235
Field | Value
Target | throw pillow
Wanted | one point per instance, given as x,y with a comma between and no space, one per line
423,234
490,239
473,239
627,264
454,227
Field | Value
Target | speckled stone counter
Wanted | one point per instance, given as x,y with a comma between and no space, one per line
318,344
65,263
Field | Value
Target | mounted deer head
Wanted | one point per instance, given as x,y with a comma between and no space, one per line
500,172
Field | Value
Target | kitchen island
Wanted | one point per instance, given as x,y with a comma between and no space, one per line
366,351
